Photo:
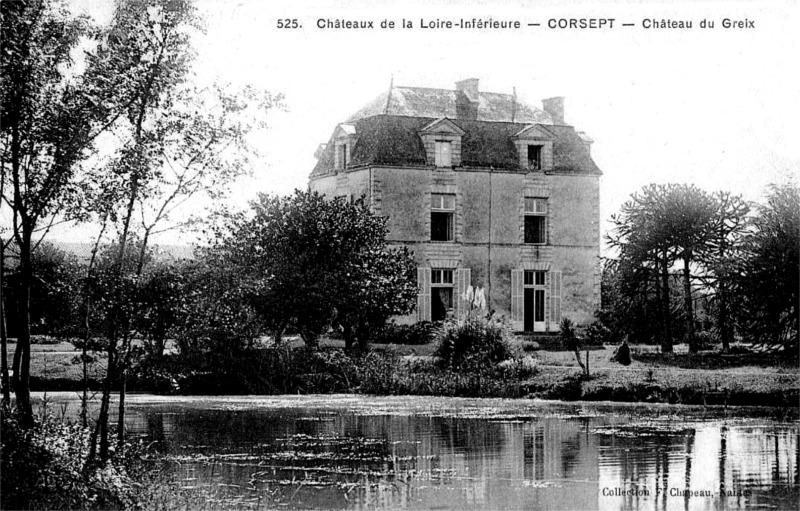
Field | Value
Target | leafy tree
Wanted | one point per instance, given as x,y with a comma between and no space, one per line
658,226
52,298
721,256
50,114
687,217
770,279
313,261
177,142
645,256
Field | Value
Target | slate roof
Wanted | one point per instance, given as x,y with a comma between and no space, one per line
395,140
435,103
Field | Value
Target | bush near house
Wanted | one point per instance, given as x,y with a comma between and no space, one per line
422,332
475,337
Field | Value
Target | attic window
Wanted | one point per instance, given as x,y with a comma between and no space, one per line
342,155
535,157
444,151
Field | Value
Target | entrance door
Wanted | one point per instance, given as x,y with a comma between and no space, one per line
528,308
533,310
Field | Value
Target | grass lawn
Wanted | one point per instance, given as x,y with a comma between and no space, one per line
60,361
650,374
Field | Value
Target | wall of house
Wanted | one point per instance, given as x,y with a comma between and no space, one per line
354,183
489,206
575,236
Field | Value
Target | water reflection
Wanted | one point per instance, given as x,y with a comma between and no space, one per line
416,453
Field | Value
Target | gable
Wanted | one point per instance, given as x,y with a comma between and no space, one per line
344,130
534,132
442,126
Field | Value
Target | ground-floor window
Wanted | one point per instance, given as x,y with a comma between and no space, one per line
534,301
441,293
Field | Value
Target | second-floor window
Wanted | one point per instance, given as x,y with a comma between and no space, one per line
535,220
444,151
443,210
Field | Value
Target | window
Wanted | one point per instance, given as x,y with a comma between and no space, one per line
443,157
535,220
341,156
534,278
441,293
443,207
535,157
534,297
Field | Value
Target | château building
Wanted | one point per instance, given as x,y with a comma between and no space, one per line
486,190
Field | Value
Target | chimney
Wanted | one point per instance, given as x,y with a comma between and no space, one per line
555,107
467,99
469,87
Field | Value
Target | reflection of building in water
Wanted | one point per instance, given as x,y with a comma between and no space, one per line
477,464
707,468
336,459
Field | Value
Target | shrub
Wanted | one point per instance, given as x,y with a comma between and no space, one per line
44,468
422,332
474,338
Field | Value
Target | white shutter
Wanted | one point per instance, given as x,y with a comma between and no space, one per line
463,279
555,299
424,294
517,314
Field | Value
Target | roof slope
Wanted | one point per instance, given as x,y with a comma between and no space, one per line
395,140
435,103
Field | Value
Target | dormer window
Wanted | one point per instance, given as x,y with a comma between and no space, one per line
344,139
535,157
444,152
442,141
535,146
342,155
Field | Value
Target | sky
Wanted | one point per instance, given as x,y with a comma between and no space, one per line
714,107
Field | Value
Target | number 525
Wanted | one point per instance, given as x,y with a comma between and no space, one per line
288,23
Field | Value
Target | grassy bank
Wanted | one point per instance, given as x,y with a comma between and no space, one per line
743,378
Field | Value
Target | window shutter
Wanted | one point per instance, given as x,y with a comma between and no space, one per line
555,299
516,299
463,279
424,294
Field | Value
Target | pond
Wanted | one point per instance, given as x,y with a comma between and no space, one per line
356,452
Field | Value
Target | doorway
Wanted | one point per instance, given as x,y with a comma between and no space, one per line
533,301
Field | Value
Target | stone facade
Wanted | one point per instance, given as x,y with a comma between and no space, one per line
534,280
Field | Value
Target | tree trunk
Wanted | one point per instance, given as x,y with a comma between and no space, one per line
688,310
101,428
578,358
362,336
123,384
87,327
3,334
666,343
22,355
349,337
723,321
